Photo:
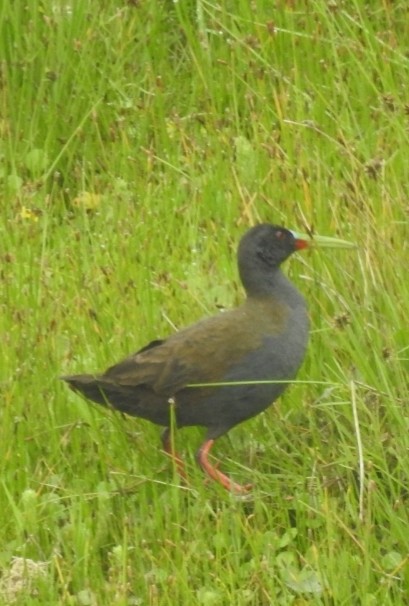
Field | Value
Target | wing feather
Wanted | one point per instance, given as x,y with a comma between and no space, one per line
203,352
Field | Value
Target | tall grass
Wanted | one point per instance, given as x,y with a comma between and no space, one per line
138,141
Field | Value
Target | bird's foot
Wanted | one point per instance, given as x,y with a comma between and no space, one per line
216,474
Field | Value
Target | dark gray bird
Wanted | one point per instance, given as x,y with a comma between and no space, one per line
191,371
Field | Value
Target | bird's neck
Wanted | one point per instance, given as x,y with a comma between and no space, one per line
274,285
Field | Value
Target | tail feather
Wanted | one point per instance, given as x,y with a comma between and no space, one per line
89,386
108,393
138,401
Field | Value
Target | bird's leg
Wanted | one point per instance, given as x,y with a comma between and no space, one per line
168,447
215,474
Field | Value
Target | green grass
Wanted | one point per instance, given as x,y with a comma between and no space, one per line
138,141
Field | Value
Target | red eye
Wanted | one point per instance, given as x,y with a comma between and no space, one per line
280,235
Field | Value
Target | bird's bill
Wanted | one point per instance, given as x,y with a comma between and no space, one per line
305,240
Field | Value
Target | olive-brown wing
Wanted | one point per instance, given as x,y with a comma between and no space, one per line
203,352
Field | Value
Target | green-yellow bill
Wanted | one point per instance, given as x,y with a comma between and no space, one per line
323,241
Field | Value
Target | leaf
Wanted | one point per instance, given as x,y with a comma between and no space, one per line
302,581
287,538
391,560
14,183
36,161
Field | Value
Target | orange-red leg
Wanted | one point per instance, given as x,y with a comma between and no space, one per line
168,447
215,474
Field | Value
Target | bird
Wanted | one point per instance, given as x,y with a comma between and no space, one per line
226,368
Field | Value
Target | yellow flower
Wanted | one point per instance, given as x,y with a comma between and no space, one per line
87,200
28,214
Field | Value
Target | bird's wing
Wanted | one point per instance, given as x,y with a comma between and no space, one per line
203,352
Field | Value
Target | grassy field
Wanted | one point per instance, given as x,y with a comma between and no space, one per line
138,142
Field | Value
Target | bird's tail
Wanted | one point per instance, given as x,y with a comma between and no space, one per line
89,386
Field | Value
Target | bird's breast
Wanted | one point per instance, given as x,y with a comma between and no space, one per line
282,332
